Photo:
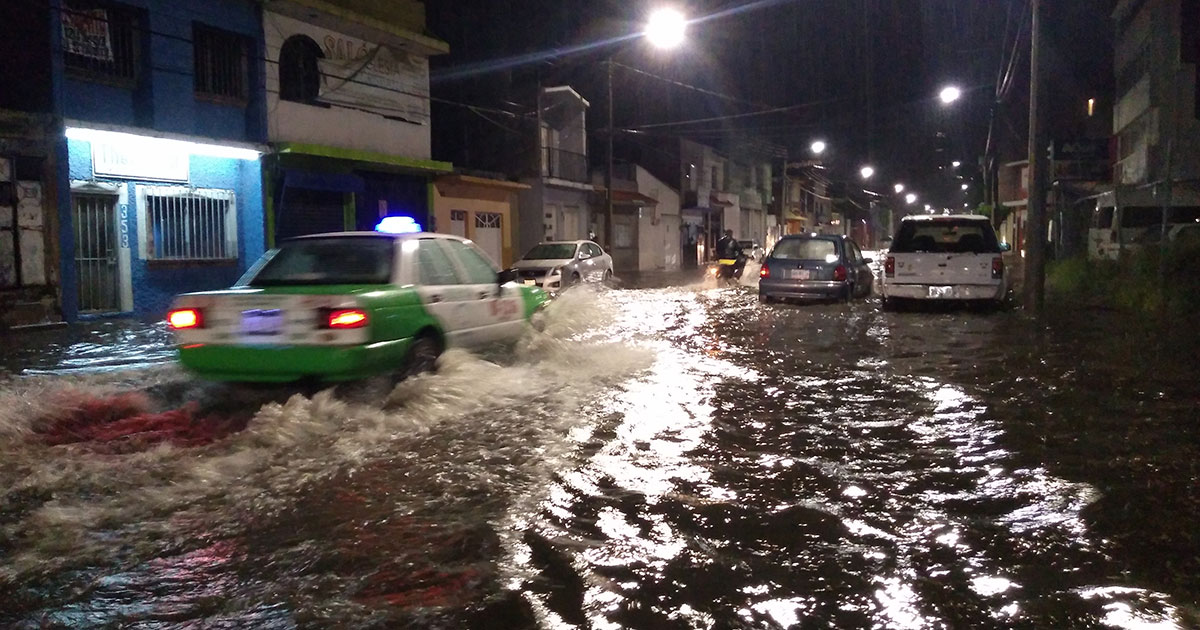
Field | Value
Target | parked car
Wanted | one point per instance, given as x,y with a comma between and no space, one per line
815,267
556,265
345,306
951,257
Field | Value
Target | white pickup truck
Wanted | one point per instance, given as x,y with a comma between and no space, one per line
948,257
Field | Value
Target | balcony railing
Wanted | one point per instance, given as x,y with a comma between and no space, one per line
565,165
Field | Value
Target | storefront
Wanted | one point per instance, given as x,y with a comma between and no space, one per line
149,216
315,189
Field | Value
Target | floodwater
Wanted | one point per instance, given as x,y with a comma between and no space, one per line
657,458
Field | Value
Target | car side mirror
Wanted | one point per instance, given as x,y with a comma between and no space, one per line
1005,247
868,260
584,255
506,276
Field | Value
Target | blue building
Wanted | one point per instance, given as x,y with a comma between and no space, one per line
158,168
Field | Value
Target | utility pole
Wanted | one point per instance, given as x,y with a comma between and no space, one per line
608,172
1035,239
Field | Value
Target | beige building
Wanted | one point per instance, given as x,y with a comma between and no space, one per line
481,209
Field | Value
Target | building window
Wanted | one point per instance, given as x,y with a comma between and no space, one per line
101,41
300,69
487,220
220,62
183,224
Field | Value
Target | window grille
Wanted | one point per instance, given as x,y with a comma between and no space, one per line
458,215
101,40
220,62
300,70
197,225
487,219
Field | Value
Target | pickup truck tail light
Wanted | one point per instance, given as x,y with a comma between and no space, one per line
889,266
765,272
185,318
344,318
839,274
997,268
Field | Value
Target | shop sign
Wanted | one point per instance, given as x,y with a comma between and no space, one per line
141,158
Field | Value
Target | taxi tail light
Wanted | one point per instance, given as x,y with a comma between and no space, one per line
344,318
765,272
997,267
889,266
185,318
839,274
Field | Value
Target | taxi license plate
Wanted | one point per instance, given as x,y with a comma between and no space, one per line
941,292
799,274
530,282
262,322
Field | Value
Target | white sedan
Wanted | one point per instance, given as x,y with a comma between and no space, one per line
556,265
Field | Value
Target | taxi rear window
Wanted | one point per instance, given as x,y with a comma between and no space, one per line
359,260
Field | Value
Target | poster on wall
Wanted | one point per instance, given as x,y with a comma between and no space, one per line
85,33
375,79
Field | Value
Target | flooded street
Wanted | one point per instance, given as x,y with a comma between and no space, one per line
678,457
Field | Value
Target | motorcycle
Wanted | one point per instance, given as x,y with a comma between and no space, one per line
728,270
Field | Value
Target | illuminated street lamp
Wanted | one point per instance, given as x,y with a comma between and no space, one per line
818,147
910,198
956,164
966,186
899,188
949,94
867,172
666,28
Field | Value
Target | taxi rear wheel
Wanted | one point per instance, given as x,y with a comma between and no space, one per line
422,356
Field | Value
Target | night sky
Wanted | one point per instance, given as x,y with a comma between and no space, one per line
861,74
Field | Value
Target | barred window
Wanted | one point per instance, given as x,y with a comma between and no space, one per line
487,220
220,62
191,225
101,40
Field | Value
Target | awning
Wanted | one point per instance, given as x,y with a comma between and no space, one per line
331,182
483,182
627,197
717,203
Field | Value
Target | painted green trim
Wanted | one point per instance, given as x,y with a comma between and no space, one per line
297,148
349,212
430,200
268,191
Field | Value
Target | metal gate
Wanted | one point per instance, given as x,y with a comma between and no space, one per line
96,253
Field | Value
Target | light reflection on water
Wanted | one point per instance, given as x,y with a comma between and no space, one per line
658,458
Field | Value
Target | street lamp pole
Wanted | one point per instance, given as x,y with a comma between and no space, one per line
608,172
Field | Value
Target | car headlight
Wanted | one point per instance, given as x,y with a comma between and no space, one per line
554,272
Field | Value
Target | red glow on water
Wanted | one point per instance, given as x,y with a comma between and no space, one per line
127,422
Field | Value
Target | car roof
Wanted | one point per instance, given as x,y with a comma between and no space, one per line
827,237
397,237
564,242
944,217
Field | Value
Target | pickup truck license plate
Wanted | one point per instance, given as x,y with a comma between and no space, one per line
941,292
262,322
799,274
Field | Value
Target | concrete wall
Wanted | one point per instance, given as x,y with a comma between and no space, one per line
542,199
658,228
337,126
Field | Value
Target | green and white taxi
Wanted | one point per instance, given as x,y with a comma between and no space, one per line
346,306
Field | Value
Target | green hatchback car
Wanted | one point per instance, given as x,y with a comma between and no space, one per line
351,305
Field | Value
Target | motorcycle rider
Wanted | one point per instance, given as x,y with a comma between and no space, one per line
728,248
